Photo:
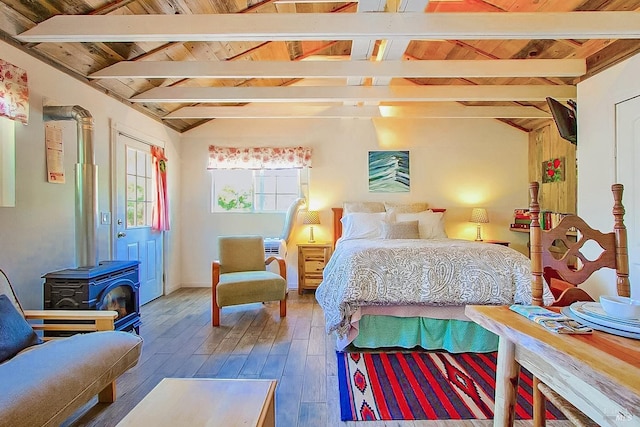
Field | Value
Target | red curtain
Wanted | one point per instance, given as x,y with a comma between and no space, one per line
160,214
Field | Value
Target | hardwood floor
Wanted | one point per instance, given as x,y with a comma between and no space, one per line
252,342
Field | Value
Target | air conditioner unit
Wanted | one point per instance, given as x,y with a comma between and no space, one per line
274,246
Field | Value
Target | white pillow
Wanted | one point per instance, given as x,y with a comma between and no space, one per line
430,224
361,225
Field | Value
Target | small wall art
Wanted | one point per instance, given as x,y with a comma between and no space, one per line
389,171
553,170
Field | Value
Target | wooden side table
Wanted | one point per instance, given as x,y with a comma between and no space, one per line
597,373
206,402
312,258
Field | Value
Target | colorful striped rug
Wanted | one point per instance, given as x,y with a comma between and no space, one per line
425,386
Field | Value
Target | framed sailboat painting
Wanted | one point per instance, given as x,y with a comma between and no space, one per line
389,172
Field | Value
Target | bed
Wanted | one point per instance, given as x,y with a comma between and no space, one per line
409,289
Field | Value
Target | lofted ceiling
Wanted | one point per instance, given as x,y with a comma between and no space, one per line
186,62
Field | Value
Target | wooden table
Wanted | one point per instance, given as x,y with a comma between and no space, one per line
206,402
598,373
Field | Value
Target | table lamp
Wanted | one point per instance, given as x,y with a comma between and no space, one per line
312,218
479,216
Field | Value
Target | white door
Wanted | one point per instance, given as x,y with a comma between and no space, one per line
627,163
134,188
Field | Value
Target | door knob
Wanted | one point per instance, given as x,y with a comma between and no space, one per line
121,234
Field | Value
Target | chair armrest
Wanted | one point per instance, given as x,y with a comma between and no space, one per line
215,273
282,266
72,320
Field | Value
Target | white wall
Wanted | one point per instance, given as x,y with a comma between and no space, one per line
37,235
597,99
455,164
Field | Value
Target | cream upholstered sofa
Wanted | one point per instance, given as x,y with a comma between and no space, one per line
44,383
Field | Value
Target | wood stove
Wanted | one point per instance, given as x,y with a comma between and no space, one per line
111,285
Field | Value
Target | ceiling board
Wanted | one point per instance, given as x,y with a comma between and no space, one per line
79,59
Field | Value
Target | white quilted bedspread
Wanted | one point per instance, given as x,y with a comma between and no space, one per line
424,272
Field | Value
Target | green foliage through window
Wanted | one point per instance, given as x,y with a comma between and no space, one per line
230,199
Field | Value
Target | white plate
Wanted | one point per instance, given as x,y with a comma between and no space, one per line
578,309
595,309
614,331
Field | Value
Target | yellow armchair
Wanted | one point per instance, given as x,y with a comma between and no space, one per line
240,275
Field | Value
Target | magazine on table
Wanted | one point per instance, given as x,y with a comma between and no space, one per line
555,322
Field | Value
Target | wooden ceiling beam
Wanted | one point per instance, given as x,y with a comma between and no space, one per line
363,49
330,26
288,111
329,69
356,93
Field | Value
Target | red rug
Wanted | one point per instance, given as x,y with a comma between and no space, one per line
425,386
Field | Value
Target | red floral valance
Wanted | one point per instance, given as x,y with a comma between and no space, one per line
14,92
259,157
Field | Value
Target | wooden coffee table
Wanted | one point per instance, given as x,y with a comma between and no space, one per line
201,402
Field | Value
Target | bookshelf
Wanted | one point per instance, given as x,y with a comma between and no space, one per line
526,230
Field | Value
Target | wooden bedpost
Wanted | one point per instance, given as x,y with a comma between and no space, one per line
535,245
622,253
337,225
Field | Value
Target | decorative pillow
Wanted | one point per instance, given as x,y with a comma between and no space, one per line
405,207
430,224
15,332
361,225
367,207
400,230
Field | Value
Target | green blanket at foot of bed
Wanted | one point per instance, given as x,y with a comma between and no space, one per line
454,336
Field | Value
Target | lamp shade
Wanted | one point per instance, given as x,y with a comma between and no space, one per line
311,217
479,215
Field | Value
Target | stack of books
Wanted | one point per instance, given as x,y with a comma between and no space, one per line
521,219
549,220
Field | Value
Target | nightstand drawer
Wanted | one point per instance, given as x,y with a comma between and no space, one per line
317,254
311,267
312,281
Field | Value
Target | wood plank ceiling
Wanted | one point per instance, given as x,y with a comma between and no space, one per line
488,74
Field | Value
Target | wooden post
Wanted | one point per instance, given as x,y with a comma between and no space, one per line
622,253
535,246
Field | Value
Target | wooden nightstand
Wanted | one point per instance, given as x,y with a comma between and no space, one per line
498,242
312,258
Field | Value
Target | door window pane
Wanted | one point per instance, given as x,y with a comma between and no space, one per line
140,188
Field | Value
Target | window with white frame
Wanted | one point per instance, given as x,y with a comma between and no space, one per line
258,190
260,179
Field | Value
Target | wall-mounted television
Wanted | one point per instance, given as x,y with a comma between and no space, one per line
565,119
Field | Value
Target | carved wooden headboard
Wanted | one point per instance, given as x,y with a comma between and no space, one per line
337,225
